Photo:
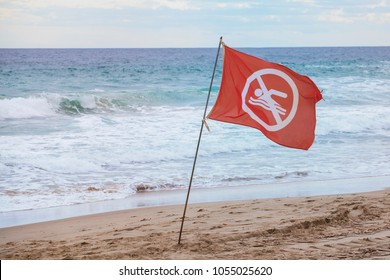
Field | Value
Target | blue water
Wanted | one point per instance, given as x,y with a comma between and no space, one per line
82,125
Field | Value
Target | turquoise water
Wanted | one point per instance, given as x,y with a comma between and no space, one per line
83,125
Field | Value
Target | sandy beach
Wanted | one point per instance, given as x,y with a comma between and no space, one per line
348,226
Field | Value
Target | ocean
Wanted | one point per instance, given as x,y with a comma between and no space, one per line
85,125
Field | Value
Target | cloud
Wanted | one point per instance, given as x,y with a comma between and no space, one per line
374,17
105,4
382,4
338,16
16,15
174,5
335,16
235,5
302,1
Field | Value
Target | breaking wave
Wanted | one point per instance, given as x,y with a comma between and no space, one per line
24,108
51,105
89,104
93,102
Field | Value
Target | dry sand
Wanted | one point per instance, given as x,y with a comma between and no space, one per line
352,226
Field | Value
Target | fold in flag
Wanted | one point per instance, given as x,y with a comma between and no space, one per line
269,97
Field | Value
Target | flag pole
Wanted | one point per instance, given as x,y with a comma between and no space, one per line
200,137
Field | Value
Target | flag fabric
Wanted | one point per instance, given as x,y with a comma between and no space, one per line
269,97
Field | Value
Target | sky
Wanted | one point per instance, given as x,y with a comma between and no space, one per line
193,23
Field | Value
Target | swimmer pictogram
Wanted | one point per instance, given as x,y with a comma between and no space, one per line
264,97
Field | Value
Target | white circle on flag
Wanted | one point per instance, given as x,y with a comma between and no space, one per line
265,100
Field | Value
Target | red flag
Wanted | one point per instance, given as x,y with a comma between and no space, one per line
267,96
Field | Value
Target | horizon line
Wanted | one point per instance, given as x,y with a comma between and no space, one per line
239,47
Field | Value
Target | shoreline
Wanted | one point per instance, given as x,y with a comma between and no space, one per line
347,226
198,195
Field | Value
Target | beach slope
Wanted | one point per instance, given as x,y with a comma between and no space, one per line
349,226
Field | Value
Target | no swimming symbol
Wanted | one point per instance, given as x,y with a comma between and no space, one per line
265,98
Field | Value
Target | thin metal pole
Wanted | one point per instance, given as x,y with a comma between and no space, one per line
200,137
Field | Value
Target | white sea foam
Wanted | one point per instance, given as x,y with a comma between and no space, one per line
99,90
24,108
373,119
